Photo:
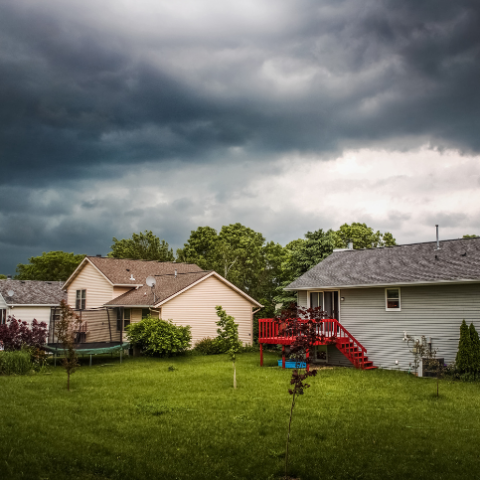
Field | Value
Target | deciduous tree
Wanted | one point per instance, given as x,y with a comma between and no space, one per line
142,246
362,236
50,266
228,335
65,329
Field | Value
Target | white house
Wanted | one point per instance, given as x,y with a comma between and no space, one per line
29,299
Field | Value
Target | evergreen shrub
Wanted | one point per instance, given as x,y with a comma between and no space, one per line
467,362
161,338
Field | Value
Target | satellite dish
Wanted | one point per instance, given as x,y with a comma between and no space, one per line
11,293
151,281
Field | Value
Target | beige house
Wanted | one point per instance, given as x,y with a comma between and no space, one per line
184,293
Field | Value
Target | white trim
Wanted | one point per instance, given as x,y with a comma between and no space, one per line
33,304
219,277
133,285
379,285
399,309
125,306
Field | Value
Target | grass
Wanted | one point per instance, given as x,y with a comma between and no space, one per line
15,362
142,420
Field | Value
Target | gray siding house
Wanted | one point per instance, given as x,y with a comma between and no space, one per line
381,295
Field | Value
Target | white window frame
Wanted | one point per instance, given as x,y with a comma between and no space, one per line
323,299
399,309
82,299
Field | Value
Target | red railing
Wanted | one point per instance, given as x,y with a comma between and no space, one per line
270,331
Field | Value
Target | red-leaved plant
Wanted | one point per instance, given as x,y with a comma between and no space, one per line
304,325
16,334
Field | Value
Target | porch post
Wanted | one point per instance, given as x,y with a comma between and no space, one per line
261,354
308,356
283,357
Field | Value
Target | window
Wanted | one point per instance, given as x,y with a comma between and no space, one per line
81,299
3,316
316,299
126,318
392,299
145,312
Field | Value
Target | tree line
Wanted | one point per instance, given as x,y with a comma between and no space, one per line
259,267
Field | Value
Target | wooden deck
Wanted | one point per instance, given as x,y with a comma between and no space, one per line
332,332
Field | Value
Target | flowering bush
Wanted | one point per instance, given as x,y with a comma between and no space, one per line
16,334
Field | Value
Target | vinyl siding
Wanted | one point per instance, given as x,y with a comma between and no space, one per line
99,290
2,302
117,291
302,298
433,311
196,307
27,314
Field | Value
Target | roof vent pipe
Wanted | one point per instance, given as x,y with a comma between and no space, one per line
350,245
438,241
175,273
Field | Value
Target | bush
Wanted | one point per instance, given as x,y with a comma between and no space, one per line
15,362
157,337
16,334
210,346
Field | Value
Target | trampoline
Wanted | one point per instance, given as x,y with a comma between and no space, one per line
100,332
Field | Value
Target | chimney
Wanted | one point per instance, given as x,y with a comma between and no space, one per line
9,277
175,273
438,241
98,255
350,245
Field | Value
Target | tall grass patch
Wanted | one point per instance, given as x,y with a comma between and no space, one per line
16,362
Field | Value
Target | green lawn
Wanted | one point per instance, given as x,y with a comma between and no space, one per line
139,420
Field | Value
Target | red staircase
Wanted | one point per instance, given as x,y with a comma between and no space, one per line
355,354
331,330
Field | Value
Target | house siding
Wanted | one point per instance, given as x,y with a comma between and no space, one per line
27,314
302,298
196,307
433,311
99,290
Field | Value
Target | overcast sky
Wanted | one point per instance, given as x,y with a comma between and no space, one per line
286,116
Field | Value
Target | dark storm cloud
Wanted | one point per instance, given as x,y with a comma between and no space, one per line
93,92
75,96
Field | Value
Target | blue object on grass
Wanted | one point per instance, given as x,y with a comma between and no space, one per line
292,364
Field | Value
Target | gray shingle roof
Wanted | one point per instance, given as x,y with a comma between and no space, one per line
32,292
457,260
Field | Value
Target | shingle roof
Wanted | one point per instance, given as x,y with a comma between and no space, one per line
457,260
120,270
166,286
32,292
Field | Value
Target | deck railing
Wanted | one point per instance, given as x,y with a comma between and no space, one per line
271,331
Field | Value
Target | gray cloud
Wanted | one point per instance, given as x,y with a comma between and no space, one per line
91,94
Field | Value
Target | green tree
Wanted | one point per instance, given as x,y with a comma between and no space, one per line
239,254
228,336
475,350
362,236
470,236
300,256
142,246
463,360
2,277
50,266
